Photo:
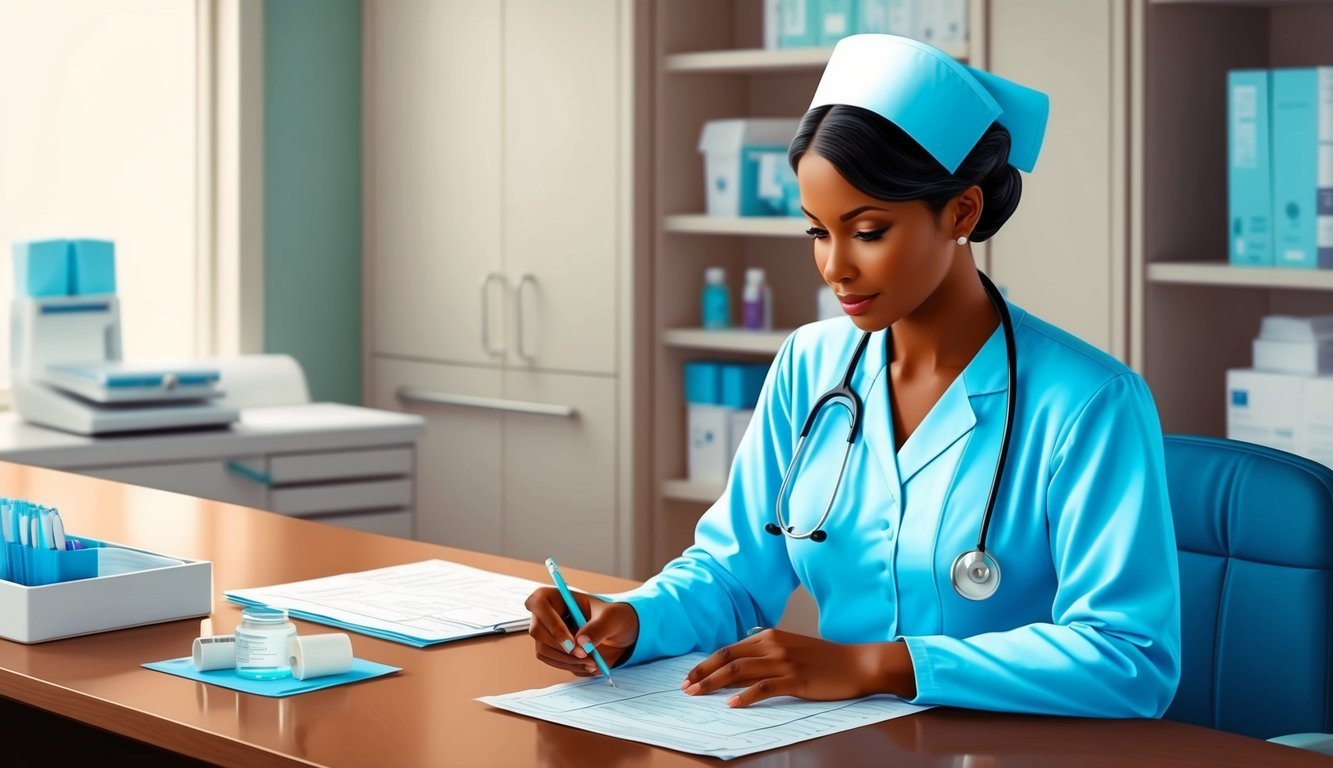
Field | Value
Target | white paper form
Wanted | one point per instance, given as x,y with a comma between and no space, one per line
648,706
422,603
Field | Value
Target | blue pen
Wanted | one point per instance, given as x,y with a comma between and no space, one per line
578,617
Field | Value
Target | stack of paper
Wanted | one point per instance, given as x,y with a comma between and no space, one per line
420,604
647,705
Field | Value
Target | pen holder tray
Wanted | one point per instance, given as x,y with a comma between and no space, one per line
35,567
103,587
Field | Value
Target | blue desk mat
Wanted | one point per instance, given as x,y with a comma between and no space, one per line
286,686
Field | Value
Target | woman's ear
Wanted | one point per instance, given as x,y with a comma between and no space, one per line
966,211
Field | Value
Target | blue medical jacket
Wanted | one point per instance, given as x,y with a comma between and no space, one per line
1086,619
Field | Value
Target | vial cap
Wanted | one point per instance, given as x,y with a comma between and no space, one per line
263,614
715,275
754,275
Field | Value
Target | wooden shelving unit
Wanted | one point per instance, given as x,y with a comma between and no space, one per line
759,60
702,224
737,342
1193,320
687,490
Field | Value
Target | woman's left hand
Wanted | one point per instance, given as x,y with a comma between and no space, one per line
776,663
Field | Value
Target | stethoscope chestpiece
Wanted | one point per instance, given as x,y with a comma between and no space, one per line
975,575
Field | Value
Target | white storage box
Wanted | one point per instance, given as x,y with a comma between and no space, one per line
1310,358
745,165
710,440
1265,408
133,587
1317,420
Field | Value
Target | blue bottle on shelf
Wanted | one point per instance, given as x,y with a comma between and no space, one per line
715,300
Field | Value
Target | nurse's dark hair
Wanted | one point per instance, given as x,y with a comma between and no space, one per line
880,159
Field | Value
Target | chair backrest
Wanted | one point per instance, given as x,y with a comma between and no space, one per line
1254,528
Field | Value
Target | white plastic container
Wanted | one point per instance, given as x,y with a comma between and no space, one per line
745,165
161,588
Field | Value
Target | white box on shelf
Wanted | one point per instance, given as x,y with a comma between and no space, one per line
709,428
772,23
167,588
1308,358
744,160
1317,419
1265,408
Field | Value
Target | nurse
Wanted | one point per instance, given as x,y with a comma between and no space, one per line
1060,597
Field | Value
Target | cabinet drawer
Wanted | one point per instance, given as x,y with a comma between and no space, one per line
341,497
205,479
390,522
288,468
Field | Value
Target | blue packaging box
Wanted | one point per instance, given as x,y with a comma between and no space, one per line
741,383
703,383
798,23
42,268
94,267
1302,134
837,19
1249,171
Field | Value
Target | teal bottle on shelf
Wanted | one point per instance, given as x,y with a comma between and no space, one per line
715,300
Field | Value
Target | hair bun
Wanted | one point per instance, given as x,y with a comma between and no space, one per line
1000,192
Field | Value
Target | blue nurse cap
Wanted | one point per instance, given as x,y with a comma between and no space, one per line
945,106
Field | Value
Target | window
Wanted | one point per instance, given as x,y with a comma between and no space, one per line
99,123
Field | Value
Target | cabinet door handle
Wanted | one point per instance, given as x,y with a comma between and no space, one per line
414,395
527,279
486,312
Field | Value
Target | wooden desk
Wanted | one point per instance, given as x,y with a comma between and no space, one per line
426,715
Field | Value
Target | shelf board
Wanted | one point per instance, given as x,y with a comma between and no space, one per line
747,342
762,60
703,224
1212,273
689,490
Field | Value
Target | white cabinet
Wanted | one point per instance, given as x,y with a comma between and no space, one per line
432,178
493,169
529,473
498,212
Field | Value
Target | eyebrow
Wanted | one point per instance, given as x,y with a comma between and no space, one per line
850,214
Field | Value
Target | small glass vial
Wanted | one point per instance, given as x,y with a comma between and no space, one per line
261,643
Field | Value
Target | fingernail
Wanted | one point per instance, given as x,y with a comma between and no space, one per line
590,667
733,701
568,645
579,654
684,683
587,648
693,689
585,641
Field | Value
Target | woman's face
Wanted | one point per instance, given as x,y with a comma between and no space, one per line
883,259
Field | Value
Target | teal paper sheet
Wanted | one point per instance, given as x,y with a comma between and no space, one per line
287,686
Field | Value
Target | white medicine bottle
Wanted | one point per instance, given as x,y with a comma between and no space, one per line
261,643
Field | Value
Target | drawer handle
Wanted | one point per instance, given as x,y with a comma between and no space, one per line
486,313
253,475
414,395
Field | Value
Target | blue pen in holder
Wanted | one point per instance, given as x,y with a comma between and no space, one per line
37,567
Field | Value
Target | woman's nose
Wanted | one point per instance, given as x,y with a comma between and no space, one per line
837,267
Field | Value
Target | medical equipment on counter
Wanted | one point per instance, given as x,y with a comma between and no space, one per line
66,356
975,573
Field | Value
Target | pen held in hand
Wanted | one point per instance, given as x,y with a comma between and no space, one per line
579,619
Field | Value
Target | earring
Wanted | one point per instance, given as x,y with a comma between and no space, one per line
962,239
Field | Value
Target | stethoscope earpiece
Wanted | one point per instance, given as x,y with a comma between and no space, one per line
773,529
818,535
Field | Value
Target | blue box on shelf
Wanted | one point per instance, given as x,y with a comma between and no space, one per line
94,267
42,268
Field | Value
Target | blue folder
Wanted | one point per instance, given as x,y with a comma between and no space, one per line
287,686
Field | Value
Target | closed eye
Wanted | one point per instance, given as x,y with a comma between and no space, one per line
871,235
816,233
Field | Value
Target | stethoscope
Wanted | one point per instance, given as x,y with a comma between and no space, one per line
975,573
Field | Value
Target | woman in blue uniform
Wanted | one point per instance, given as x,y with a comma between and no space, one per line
975,499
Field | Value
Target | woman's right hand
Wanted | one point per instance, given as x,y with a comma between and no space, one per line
612,628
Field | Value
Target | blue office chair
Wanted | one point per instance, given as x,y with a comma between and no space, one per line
1254,527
